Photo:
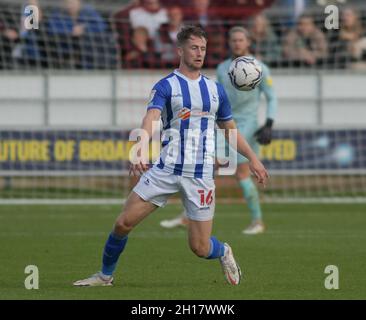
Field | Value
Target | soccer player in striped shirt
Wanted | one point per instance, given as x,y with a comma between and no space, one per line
245,105
189,105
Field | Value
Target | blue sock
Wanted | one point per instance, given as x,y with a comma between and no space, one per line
251,196
217,249
112,250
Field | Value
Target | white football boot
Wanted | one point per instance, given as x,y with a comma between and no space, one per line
96,280
255,228
174,223
229,266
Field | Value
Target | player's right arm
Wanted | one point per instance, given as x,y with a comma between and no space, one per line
142,164
158,98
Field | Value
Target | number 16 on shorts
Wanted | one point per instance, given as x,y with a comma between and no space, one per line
205,199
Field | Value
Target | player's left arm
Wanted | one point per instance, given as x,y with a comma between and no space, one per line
264,133
224,121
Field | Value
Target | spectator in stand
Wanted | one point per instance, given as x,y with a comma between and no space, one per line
233,12
215,16
305,45
359,55
265,44
200,13
141,53
121,23
291,10
17,44
228,11
345,41
80,37
167,38
150,15
137,47
9,35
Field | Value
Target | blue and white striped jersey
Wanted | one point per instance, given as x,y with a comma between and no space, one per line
189,111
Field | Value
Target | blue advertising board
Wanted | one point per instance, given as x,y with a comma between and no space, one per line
93,150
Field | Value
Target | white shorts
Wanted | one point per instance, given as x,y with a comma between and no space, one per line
198,195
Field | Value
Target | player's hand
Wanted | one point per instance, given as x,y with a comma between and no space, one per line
139,159
138,169
259,171
264,134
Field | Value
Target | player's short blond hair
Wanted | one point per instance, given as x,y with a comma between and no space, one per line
239,29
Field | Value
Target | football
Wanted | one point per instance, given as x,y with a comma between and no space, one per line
245,73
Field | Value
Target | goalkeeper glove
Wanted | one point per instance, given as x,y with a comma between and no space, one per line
264,134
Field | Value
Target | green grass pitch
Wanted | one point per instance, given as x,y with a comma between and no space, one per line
287,262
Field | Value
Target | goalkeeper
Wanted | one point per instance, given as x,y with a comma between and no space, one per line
245,106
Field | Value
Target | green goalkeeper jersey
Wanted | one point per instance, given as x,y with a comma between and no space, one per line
245,104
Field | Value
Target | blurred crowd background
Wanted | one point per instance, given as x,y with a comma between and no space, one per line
77,34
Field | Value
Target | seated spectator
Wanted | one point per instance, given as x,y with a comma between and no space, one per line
122,26
359,55
345,40
147,15
231,12
9,35
291,10
201,14
80,37
306,45
141,53
265,45
167,38
150,15
239,10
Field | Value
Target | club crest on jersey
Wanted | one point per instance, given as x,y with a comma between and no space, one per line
184,114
